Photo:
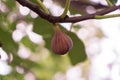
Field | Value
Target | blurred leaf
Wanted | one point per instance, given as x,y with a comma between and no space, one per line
77,53
5,34
2,17
45,29
26,41
12,26
16,61
113,1
7,42
24,62
5,22
28,63
10,4
42,27
13,76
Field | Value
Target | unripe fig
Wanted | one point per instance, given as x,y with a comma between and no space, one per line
61,43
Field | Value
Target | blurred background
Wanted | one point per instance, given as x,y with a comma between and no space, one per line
25,39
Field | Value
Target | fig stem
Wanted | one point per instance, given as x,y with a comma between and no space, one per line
109,3
67,5
43,6
56,27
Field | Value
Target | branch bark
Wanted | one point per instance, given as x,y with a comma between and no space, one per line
58,19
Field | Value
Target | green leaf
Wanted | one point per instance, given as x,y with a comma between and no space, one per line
113,1
26,41
10,4
7,42
12,76
77,54
45,29
24,63
12,26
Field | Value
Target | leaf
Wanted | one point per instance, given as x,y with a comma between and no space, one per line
10,4
24,62
26,41
113,1
77,53
7,42
42,27
12,76
45,29
12,26
6,36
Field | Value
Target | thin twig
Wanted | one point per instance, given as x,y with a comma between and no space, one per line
43,6
66,9
107,16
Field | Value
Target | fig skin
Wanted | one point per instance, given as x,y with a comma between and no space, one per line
61,43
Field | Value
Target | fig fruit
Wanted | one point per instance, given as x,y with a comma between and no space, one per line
61,43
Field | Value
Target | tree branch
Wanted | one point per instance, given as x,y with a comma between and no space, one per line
58,19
